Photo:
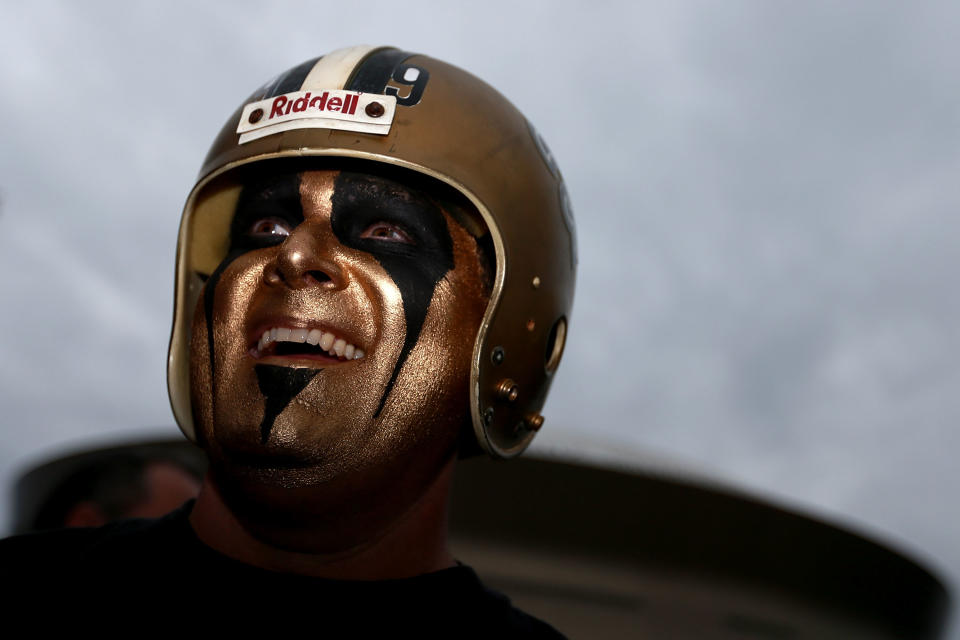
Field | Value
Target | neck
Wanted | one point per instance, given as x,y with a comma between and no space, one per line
409,544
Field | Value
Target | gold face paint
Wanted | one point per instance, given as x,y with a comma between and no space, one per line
397,285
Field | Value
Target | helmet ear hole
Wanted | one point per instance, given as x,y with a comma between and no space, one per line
555,343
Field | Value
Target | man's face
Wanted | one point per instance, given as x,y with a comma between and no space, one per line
334,340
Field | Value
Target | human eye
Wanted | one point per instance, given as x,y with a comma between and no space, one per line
387,232
269,228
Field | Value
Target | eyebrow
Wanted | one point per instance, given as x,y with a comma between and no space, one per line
283,188
393,201
378,187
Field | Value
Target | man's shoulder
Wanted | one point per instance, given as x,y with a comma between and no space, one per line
462,602
140,558
508,619
47,553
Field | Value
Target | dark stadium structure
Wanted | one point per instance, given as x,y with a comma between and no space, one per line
613,554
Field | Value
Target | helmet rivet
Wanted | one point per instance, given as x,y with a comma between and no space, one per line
536,282
508,390
497,355
534,422
488,416
374,109
255,116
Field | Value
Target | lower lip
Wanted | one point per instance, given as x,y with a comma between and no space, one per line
305,357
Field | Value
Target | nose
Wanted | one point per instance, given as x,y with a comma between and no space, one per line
303,260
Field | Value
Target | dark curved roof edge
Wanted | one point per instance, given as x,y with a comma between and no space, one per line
654,521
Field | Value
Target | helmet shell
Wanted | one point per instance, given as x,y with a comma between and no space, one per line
455,128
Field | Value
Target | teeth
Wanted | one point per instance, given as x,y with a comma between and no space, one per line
327,341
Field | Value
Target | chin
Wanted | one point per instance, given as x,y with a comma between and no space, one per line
276,468
275,500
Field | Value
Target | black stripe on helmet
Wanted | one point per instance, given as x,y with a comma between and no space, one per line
290,81
373,74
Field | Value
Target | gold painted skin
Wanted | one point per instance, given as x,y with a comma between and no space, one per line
327,455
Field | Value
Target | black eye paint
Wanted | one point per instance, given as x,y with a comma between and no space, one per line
360,200
279,385
272,194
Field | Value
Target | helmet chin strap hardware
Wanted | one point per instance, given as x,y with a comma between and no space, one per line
533,422
529,423
508,390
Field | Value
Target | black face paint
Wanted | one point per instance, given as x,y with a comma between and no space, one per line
360,200
279,385
268,195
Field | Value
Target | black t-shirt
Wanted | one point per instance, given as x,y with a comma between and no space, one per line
151,570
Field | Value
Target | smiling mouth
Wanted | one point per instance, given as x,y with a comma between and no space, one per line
305,343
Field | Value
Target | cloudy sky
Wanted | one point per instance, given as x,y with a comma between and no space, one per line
766,196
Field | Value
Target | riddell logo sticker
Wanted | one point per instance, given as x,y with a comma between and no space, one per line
324,109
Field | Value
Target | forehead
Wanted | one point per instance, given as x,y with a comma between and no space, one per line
373,181
292,185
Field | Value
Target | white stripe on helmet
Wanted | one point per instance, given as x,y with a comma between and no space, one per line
334,69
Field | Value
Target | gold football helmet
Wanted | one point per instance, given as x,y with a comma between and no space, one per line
383,105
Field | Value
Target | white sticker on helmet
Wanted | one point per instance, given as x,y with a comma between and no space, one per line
317,109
